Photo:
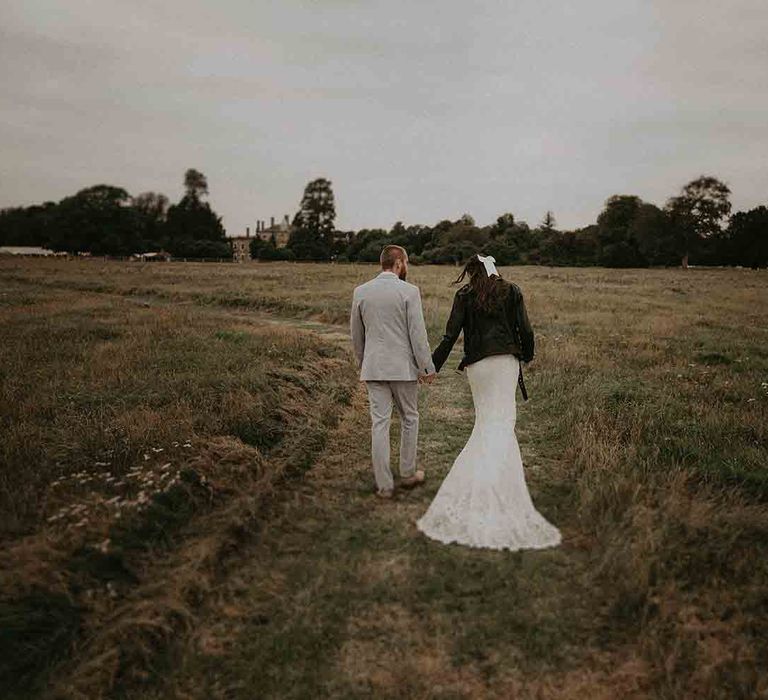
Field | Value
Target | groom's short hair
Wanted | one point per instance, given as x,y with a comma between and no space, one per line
390,254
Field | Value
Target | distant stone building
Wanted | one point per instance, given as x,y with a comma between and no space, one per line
281,231
241,245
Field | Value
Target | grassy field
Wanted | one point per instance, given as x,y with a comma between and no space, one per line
644,441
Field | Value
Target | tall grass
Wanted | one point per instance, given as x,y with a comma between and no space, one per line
140,442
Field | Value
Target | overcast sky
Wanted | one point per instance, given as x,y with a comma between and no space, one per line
416,110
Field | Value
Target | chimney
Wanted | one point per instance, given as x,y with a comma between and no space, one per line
247,231
272,222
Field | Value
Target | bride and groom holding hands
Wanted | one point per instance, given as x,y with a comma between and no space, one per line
484,500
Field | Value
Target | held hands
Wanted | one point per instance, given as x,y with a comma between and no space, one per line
427,378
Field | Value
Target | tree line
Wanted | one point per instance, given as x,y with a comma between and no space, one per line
695,226
106,220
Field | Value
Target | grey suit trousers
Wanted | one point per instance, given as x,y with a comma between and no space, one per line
381,396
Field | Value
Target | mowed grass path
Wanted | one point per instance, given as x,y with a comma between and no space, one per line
644,441
343,597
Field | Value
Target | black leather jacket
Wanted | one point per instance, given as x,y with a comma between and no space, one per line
501,331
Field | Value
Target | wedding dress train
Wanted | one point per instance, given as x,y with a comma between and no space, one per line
484,500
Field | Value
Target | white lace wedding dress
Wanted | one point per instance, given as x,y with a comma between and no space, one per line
484,501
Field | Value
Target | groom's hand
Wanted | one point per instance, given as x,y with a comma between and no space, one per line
427,378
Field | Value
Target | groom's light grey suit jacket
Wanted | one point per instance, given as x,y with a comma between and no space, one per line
388,333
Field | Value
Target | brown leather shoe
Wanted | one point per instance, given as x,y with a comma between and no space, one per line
385,493
417,479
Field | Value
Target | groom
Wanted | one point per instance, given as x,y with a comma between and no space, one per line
392,350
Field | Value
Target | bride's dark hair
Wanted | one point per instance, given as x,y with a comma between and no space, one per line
490,292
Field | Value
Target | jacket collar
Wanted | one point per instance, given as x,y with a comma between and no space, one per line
387,274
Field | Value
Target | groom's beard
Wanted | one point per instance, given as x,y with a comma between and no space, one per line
403,274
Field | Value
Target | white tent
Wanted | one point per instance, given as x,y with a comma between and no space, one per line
24,250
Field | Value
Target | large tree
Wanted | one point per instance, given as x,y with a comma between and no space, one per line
152,210
698,212
504,223
414,238
366,245
652,234
747,238
313,226
617,246
99,219
192,229
28,226
195,183
548,223
511,240
456,242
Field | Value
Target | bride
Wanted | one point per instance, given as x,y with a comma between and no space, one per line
484,500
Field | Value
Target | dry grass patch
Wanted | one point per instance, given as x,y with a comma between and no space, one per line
389,653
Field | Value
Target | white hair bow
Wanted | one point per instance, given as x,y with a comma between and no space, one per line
490,264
